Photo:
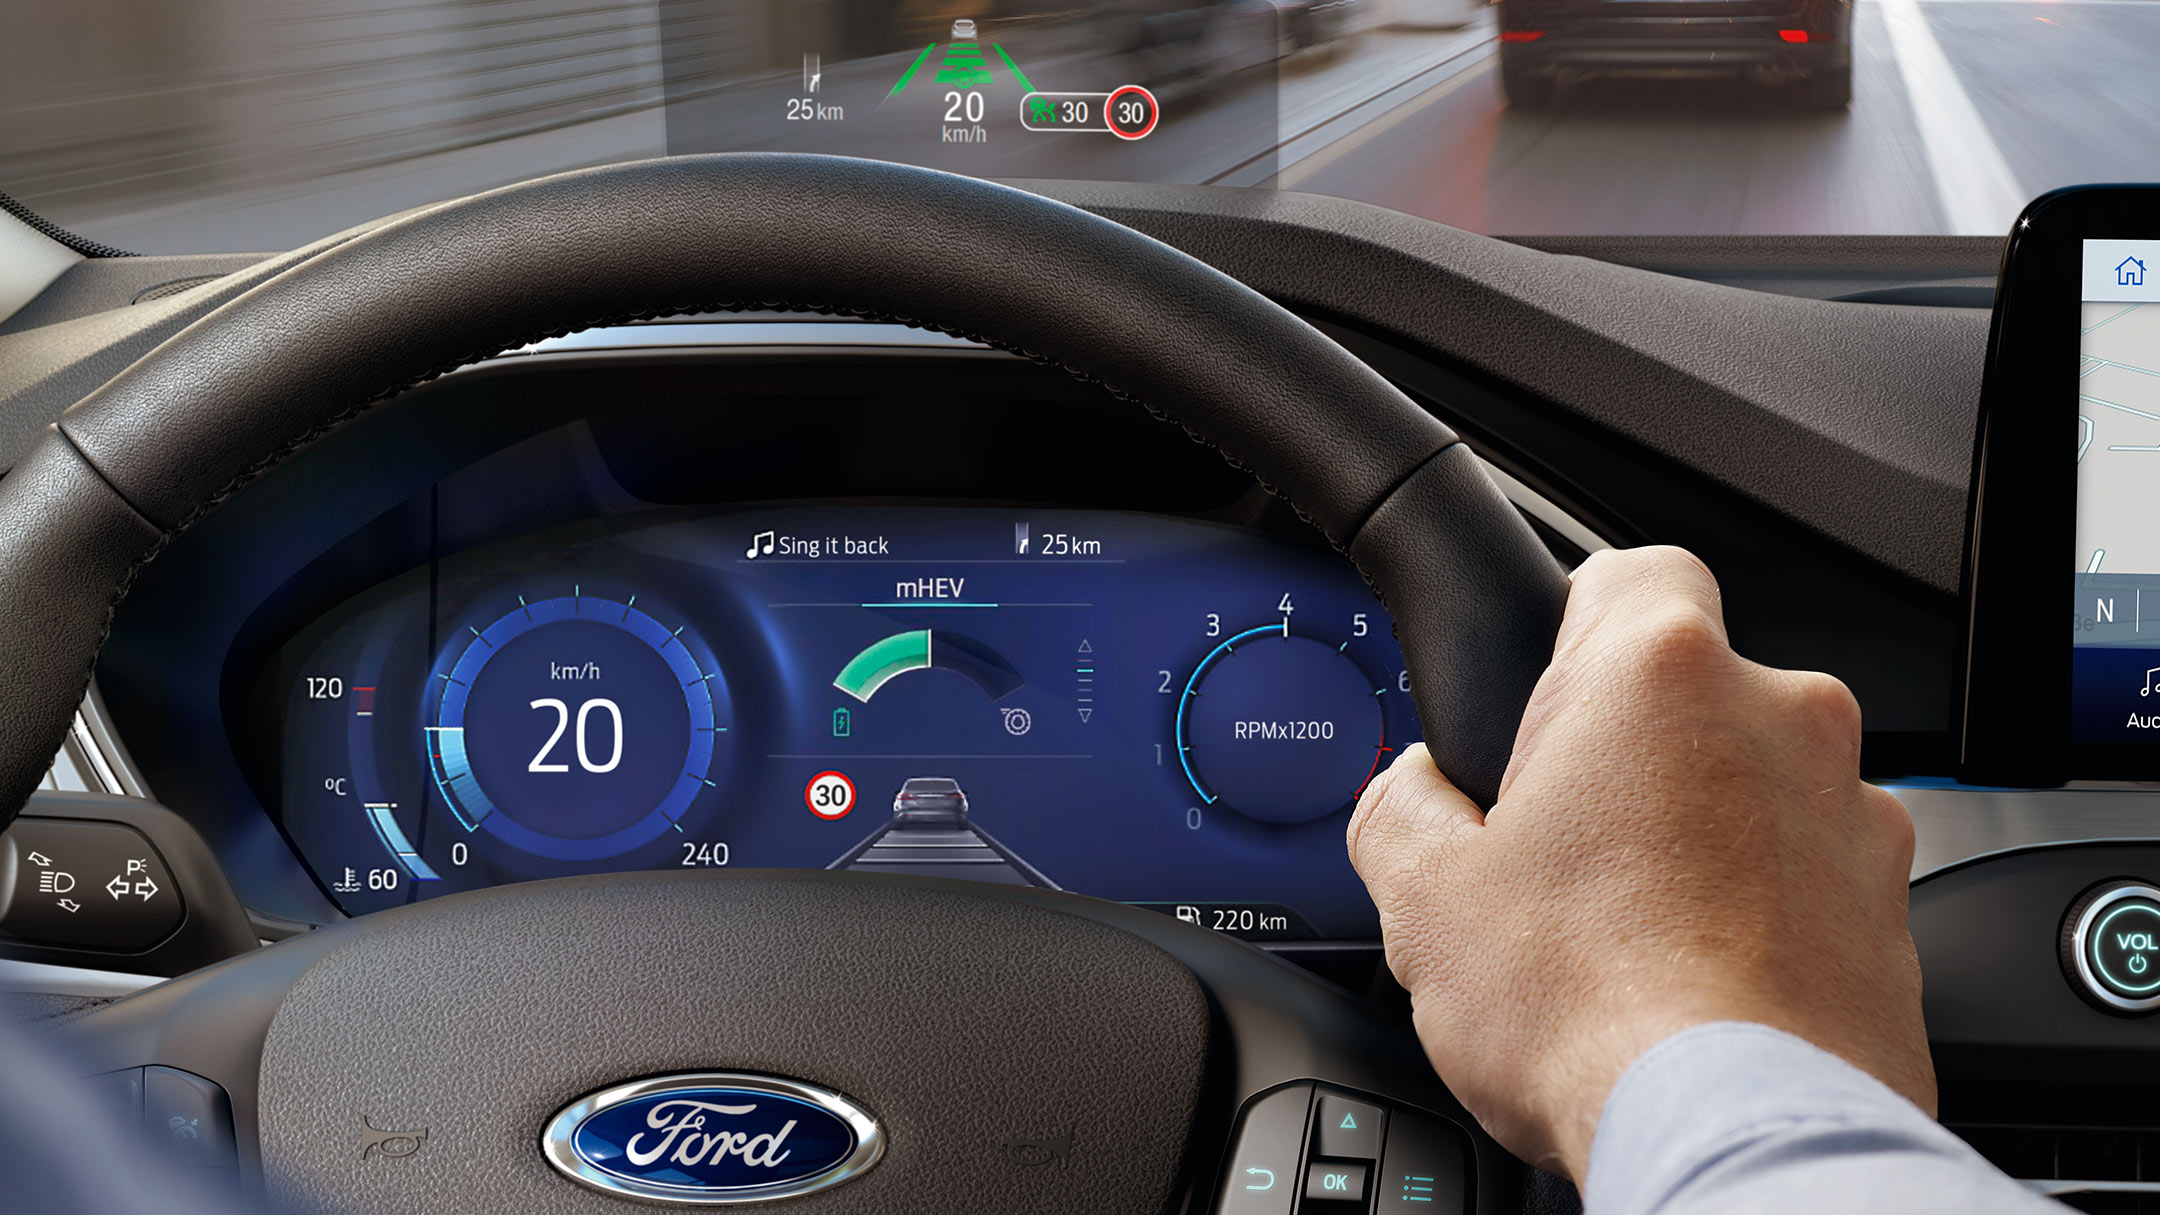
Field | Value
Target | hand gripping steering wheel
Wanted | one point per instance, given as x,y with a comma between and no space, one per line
964,1018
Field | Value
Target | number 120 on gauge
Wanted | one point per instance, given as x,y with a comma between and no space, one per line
1128,113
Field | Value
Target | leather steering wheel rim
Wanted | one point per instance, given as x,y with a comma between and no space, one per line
1475,596
477,1013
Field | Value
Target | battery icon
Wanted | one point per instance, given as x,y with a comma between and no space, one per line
1020,539
843,723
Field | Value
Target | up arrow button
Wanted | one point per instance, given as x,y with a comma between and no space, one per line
1348,1128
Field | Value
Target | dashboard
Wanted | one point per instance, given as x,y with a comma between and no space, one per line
388,671
1156,710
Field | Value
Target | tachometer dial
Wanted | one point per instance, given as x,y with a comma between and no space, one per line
1279,727
575,728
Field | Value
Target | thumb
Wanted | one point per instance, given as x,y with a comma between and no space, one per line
1409,823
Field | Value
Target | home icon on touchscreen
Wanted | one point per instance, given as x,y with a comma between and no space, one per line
2131,273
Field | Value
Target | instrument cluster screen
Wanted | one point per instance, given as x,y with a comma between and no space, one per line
1150,709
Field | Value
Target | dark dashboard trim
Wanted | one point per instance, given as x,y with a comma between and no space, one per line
1644,337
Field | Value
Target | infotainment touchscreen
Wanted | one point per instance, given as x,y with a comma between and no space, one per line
2115,668
2076,335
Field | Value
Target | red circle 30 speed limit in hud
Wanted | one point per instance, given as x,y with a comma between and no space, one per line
761,707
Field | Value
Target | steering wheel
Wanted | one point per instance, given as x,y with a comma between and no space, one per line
967,1020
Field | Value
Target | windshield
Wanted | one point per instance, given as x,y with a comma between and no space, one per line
165,126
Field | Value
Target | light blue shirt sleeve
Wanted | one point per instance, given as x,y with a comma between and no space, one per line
1730,1117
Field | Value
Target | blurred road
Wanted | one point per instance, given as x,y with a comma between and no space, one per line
2010,100
1964,109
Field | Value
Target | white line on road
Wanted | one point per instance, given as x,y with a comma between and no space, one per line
1299,160
1979,196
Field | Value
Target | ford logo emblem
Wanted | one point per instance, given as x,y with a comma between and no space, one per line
712,1137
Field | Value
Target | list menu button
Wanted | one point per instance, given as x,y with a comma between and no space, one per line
1425,1170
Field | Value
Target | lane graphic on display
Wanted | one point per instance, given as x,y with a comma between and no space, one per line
930,836
1157,710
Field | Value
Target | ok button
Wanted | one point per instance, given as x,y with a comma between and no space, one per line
1335,1181
2117,939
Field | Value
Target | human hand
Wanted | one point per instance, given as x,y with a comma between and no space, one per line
1682,836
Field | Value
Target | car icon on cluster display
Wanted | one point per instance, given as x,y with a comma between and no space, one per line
963,28
930,801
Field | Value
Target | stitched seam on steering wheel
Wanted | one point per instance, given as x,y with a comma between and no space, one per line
321,429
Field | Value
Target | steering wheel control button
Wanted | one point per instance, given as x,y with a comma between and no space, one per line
2111,946
87,885
1345,1128
1261,1178
1425,1170
1333,1184
188,1117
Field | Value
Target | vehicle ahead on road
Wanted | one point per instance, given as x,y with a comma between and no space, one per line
963,28
470,742
1802,43
930,801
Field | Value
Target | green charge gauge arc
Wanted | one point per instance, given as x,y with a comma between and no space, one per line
575,728
888,658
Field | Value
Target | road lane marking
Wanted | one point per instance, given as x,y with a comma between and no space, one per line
1973,183
1293,169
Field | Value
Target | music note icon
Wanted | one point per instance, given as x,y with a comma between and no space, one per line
764,538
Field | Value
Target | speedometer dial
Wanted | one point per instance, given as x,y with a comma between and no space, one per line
1279,727
1049,698
574,728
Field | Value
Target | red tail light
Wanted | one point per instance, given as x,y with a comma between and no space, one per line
1534,35
1793,35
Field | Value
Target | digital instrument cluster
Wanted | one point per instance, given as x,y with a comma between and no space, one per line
1142,708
